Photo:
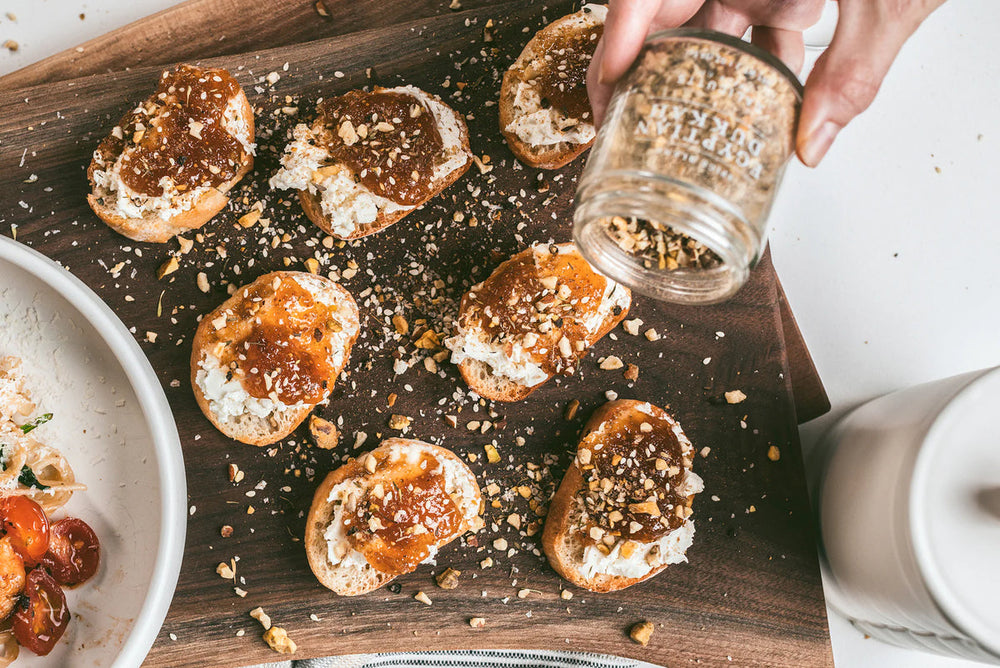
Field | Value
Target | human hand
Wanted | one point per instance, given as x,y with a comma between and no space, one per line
842,84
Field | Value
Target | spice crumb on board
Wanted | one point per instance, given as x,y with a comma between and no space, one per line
641,633
278,640
735,397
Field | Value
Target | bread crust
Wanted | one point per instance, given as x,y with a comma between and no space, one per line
556,533
548,156
151,227
480,378
290,420
312,207
321,514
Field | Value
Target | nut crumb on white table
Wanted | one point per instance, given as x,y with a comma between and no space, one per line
887,251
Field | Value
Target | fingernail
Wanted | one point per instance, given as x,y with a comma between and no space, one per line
818,143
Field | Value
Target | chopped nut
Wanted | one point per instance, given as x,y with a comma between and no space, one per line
641,633
773,453
402,327
429,340
477,622
652,334
611,362
226,531
632,326
452,420
735,397
645,508
500,544
277,638
583,456
250,218
627,549
448,578
565,594
491,453
632,373
400,422
370,463
261,616
523,593
312,264
423,598
170,266
324,433
225,571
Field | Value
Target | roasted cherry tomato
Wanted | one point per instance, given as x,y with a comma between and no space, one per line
25,524
40,618
74,551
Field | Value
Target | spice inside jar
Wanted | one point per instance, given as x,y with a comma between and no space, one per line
676,193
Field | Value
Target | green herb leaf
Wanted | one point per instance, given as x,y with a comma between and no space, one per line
28,479
40,420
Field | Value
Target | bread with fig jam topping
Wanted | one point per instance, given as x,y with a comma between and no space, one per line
370,158
269,354
545,114
622,512
534,317
386,512
167,167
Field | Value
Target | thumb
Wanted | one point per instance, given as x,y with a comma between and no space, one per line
848,75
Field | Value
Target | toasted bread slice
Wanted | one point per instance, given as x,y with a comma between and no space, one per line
168,165
535,316
626,442
269,354
369,521
369,159
544,112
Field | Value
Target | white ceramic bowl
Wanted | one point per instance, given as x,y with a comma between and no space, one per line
112,422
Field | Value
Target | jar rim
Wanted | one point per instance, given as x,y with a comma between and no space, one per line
735,42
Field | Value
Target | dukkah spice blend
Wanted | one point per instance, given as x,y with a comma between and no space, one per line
677,189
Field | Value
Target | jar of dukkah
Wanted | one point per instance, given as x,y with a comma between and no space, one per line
675,196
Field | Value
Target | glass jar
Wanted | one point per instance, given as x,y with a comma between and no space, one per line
675,196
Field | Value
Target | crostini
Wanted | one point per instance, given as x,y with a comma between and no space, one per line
534,317
383,514
623,510
270,353
370,158
169,163
545,114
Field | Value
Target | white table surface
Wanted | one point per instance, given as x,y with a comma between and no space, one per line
889,251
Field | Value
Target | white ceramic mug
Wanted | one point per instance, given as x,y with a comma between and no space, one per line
910,517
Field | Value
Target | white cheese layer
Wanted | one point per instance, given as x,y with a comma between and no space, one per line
227,398
672,551
108,183
348,204
457,483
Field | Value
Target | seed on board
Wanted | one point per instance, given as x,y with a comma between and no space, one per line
477,622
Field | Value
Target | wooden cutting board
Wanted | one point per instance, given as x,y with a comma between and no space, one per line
752,591
188,30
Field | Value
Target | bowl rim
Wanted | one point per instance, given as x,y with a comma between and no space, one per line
166,442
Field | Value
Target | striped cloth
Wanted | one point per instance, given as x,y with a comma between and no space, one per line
467,659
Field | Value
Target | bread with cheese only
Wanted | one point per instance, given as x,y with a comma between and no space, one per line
227,333
180,208
337,562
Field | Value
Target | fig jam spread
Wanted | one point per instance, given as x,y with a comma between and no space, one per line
632,475
542,301
563,82
389,139
405,512
178,134
281,339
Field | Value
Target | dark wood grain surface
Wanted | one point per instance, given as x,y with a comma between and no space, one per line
752,591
